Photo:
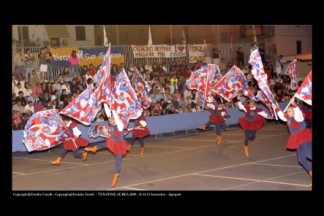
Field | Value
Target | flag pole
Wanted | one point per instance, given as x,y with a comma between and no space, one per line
288,104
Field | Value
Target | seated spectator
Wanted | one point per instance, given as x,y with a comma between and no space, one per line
16,125
21,98
39,107
18,107
30,107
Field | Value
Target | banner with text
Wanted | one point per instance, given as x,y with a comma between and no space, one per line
159,51
87,56
61,56
197,52
95,55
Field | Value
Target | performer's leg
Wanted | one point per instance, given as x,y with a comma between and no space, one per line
60,157
131,143
247,137
304,153
246,142
78,154
118,159
218,133
203,127
141,141
96,148
252,135
63,153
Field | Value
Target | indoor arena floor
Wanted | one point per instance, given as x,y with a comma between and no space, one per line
185,163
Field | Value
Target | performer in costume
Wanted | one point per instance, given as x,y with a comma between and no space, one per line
72,144
307,112
217,117
140,131
251,122
115,143
300,137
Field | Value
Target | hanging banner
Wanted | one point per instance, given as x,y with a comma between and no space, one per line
159,51
87,56
95,55
197,52
61,56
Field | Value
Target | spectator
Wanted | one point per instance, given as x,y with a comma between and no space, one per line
74,64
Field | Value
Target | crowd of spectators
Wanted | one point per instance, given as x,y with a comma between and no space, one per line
168,93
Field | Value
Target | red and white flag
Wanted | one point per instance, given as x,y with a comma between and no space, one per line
304,92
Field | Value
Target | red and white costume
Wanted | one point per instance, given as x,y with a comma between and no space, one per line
140,128
299,134
116,143
252,119
75,142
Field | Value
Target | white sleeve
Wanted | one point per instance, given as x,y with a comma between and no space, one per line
263,114
281,115
76,131
298,115
223,113
107,110
120,125
240,105
143,123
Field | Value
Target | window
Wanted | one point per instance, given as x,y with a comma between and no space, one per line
80,33
55,42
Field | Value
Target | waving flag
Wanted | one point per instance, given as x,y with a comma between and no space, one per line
292,72
304,92
124,99
100,130
249,92
44,130
83,108
192,82
233,81
202,80
259,74
261,97
102,93
141,88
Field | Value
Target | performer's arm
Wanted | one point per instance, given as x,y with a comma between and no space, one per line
298,115
143,123
107,110
239,103
76,132
120,124
264,115
281,115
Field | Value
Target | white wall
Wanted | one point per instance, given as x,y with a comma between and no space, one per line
287,35
90,38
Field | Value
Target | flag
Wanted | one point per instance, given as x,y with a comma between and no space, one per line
44,130
100,130
105,36
150,37
232,82
184,40
103,91
261,97
249,92
84,107
124,99
304,92
292,72
141,88
202,80
259,74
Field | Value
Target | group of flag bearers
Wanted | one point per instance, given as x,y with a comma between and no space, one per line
228,87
